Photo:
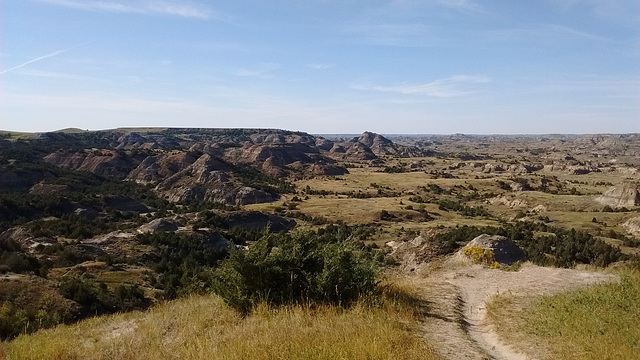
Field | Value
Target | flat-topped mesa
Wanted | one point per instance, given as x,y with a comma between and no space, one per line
624,195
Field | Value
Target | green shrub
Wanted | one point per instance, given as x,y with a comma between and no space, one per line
94,297
183,261
14,259
327,266
563,248
129,297
385,215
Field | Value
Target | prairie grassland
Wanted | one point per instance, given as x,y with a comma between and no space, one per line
600,322
14,135
351,211
203,327
129,275
362,178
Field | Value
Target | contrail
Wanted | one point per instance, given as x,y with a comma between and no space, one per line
55,53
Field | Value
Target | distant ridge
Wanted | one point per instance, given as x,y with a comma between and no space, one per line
71,131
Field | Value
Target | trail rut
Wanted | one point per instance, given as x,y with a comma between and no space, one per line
456,320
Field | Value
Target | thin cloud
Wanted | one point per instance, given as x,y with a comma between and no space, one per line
145,7
320,66
55,53
223,46
55,75
263,71
464,6
398,35
616,10
455,86
544,32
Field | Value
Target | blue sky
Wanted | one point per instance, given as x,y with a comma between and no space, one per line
323,66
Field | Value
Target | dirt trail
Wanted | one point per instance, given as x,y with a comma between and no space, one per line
456,301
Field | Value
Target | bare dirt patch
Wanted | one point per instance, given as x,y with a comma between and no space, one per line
457,301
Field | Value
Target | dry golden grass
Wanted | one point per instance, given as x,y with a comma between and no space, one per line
352,211
600,322
205,328
362,178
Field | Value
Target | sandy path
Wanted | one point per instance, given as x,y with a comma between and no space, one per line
456,301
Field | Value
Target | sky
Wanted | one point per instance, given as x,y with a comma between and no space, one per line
322,66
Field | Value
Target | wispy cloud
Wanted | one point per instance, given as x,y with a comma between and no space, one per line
412,23
544,32
463,5
320,66
223,46
262,71
616,10
185,9
55,75
455,86
400,35
55,53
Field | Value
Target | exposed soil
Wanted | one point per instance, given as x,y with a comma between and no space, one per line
456,299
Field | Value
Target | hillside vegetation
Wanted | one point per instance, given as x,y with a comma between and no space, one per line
203,327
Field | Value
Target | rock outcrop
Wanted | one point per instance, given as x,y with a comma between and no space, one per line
126,204
255,220
633,226
208,179
625,195
369,146
159,167
158,225
415,254
506,252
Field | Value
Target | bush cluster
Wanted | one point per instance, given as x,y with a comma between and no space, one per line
14,259
16,318
96,298
256,179
562,248
327,266
464,210
182,262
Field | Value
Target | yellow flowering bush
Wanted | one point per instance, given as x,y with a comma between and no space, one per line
482,256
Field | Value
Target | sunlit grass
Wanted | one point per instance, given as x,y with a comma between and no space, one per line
601,322
205,328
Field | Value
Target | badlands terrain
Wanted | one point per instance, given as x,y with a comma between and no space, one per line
409,246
